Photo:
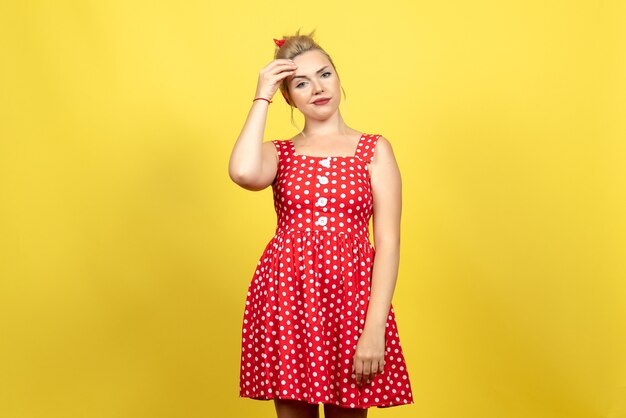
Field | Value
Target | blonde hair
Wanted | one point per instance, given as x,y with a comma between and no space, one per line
292,47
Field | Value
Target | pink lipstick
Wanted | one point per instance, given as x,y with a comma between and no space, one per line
321,102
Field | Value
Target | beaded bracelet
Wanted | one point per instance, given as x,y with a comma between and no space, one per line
263,98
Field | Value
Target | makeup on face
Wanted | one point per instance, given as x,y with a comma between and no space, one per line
303,76
321,102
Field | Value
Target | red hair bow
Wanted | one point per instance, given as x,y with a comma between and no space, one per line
279,42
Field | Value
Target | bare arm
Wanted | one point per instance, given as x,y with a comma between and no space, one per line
252,163
369,357
387,194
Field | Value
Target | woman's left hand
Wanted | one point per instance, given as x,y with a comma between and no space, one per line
369,357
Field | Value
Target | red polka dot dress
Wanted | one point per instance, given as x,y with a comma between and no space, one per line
307,301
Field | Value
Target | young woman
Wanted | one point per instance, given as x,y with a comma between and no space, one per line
319,326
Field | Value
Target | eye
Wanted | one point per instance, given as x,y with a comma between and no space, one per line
327,72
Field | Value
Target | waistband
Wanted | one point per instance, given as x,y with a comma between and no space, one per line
360,234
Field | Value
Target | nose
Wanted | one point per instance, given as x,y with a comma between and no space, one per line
317,87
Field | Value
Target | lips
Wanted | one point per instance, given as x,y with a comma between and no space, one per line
321,101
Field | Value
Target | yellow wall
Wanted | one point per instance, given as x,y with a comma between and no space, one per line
126,250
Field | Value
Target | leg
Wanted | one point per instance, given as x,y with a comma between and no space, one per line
334,411
291,408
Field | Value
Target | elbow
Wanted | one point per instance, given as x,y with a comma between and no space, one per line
390,241
245,180
238,175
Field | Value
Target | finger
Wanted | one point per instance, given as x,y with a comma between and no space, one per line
281,74
374,370
275,69
282,68
358,370
367,368
282,61
288,65
381,366
279,61
282,64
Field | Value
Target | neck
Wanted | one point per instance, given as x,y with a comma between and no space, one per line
332,126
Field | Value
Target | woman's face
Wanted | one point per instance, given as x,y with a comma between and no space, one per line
314,79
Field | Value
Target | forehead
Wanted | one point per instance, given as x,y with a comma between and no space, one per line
313,58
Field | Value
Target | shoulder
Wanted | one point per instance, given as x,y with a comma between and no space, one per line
384,169
276,147
276,144
382,150
381,141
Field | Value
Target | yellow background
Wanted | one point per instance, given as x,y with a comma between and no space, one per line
126,250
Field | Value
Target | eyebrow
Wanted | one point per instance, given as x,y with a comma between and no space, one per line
303,76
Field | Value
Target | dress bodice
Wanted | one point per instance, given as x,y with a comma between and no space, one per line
324,194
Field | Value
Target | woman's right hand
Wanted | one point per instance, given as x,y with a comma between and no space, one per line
272,75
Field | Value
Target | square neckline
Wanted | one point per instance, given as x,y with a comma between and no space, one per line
354,155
